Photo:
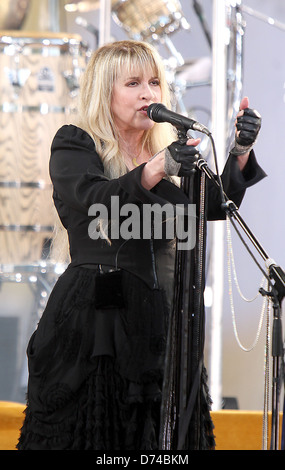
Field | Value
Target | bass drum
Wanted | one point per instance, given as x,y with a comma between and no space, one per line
39,80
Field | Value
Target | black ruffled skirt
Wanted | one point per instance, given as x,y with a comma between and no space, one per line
101,415
96,370
95,373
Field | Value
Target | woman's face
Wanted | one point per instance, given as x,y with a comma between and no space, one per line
132,94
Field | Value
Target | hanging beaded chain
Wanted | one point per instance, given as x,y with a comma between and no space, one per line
266,305
231,263
266,382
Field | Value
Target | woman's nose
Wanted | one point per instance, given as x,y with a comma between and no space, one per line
147,93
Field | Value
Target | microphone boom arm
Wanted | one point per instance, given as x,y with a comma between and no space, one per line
276,273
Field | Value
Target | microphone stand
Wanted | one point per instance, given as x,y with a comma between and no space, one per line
276,279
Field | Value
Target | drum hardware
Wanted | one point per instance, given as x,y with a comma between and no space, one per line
199,12
72,83
176,58
260,16
17,78
24,184
10,272
24,40
42,109
72,77
26,228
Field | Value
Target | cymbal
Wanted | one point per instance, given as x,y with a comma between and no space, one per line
80,5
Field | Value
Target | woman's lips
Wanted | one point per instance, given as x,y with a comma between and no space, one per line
143,110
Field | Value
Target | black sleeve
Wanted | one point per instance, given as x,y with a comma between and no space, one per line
235,183
78,178
79,181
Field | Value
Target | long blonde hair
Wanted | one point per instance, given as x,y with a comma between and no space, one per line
95,113
94,106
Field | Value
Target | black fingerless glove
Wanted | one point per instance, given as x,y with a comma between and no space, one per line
180,159
248,126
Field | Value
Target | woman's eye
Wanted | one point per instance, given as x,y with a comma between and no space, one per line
133,83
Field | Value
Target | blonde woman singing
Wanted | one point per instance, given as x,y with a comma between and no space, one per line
96,359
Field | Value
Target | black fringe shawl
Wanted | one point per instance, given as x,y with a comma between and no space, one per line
185,419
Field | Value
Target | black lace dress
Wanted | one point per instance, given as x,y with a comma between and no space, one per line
96,359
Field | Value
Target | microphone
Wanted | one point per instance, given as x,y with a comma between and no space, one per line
157,112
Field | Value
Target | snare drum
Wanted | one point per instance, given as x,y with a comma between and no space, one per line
39,80
146,19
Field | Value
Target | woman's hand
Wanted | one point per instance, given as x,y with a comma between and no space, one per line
177,159
248,125
181,157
